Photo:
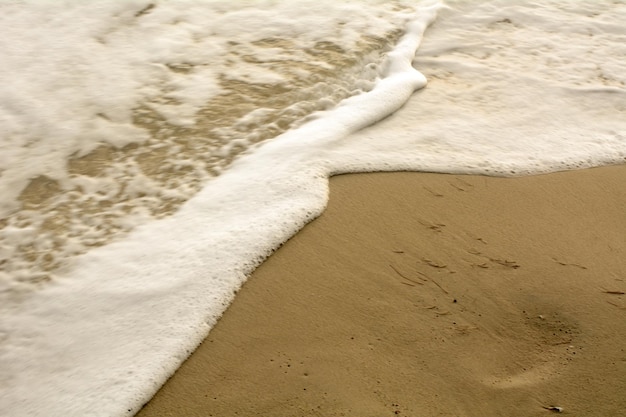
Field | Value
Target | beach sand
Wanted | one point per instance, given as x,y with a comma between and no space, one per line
420,294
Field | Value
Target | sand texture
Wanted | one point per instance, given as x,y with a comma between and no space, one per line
429,295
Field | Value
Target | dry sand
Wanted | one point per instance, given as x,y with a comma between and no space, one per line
429,295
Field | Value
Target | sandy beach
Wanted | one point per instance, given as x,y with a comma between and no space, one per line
420,294
164,173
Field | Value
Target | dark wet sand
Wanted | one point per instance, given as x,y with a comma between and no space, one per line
429,295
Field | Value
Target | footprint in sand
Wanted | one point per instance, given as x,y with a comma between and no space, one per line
541,350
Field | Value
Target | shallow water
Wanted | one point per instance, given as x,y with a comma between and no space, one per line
133,116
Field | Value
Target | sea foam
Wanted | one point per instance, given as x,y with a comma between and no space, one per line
123,112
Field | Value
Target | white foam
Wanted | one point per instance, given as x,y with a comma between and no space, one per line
121,73
510,93
74,71
126,314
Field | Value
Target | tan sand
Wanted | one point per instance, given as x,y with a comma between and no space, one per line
429,295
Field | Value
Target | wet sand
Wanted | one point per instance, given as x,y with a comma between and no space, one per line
429,295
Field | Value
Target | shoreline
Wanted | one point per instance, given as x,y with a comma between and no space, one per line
429,294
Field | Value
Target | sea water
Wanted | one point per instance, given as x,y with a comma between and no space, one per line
154,153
